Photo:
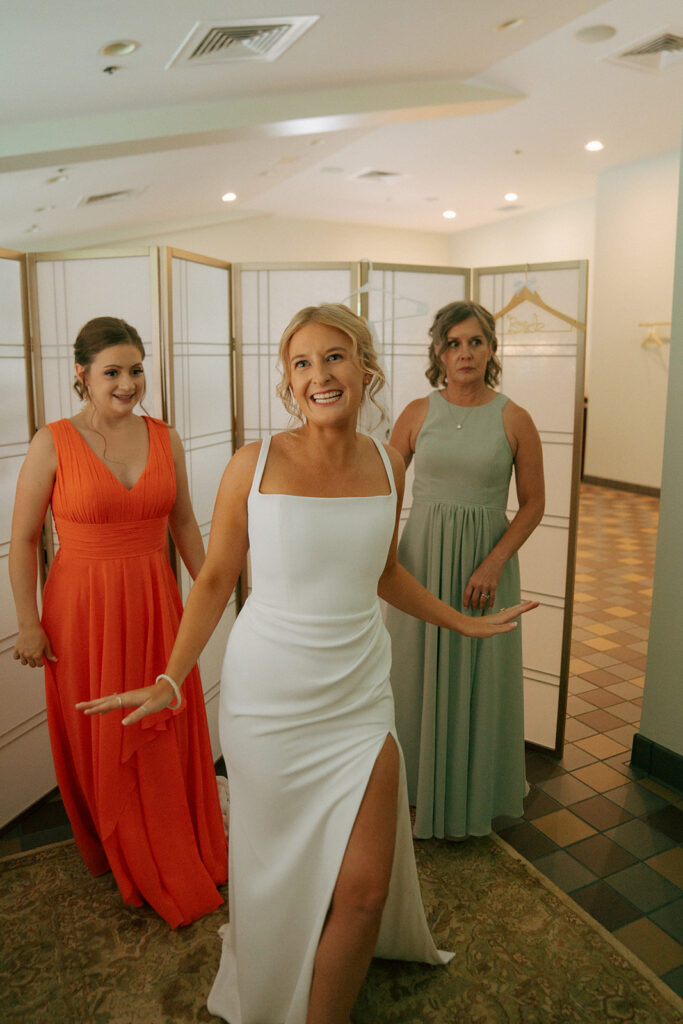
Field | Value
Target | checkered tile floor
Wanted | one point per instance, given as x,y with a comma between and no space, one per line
606,834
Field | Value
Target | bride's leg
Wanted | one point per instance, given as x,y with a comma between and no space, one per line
350,933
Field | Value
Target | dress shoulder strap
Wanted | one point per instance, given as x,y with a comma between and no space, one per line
160,447
260,466
65,438
387,464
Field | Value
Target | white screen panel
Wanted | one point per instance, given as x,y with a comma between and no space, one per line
539,323
542,639
10,464
25,756
205,466
557,466
202,376
202,405
72,291
269,299
545,386
543,560
11,326
401,307
540,712
13,408
402,304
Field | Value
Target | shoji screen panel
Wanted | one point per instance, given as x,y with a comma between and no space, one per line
67,290
400,303
267,297
25,759
197,327
541,348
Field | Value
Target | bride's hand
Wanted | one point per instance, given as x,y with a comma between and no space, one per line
499,622
145,701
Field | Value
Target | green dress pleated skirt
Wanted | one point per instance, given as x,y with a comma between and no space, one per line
459,701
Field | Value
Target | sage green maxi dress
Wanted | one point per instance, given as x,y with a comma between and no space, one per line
459,701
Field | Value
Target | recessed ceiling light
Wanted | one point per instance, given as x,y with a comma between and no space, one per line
512,23
119,48
449,214
595,33
510,196
57,177
595,146
229,197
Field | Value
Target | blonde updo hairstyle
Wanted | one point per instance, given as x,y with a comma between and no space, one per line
355,328
447,317
95,336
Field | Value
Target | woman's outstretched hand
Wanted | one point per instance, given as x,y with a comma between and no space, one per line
499,622
145,701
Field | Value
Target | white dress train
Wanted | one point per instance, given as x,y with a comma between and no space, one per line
306,707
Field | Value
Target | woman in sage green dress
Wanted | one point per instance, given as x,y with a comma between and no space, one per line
459,703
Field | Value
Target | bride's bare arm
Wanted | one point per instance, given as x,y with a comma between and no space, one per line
400,589
227,549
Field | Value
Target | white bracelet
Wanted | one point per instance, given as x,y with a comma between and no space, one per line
176,690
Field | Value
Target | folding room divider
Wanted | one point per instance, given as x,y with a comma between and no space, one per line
211,331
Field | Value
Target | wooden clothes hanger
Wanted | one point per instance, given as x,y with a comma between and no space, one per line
527,294
652,339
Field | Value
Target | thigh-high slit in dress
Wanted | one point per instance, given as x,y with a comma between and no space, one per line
306,706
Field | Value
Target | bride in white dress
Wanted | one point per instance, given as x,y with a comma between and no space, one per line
322,873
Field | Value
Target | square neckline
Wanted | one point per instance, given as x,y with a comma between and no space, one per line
128,490
261,465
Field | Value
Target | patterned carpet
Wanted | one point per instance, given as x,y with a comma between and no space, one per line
74,954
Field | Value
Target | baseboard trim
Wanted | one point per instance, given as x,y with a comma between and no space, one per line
664,764
621,485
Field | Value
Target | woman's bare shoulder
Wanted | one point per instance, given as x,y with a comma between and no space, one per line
41,450
397,464
415,411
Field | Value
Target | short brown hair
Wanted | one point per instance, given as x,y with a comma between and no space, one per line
332,314
447,317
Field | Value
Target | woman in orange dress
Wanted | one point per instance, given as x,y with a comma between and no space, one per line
142,802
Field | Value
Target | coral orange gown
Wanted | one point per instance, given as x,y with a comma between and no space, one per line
142,799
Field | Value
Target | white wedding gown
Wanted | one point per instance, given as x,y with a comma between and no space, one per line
306,707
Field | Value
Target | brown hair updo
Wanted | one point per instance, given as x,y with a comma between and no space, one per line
95,336
447,317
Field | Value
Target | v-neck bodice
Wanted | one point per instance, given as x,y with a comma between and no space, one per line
86,490
94,454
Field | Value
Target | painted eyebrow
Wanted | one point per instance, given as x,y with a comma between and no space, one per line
120,366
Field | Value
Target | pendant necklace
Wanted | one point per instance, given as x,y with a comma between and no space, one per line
461,415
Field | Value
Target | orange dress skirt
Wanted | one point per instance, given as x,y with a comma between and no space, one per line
142,799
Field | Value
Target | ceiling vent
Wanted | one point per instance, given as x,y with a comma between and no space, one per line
372,175
108,197
241,39
653,54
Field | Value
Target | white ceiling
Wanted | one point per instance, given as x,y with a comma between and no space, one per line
432,90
